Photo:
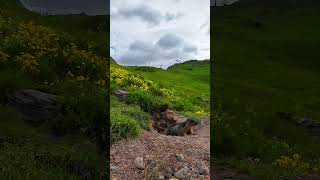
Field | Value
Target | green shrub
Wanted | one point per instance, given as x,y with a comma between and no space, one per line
13,80
147,102
122,126
141,117
84,107
133,111
64,124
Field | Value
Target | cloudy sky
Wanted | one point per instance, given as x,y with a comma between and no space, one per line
159,32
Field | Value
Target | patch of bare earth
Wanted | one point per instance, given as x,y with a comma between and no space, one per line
164,157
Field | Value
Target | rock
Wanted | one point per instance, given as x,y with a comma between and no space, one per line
168,172
310,125
114,178
182,173
180,157
204,170
139,162
113,152
161,177
120,94
113,168
35,106
173,178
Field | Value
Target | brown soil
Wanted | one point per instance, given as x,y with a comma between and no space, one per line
159,154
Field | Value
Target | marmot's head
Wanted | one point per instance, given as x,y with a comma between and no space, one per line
192,122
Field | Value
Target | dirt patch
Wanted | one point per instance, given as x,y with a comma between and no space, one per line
164,157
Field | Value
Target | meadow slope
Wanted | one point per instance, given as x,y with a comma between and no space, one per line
265,61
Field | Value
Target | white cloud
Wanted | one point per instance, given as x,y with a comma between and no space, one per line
158,33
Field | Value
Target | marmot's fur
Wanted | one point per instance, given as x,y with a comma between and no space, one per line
181,128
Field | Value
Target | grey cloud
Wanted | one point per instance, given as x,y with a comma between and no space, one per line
169,41
147,14
141,46
139,53
133,58
143,53
190,49
172,16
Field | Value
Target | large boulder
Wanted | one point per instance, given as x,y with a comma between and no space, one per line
35,106
310,125
120,94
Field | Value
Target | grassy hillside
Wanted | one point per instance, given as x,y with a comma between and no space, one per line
266,61
61,55
183,88
190,78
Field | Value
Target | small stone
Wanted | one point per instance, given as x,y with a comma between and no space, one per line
112,152
173,178
113,168
182,173
204,170
161,177
169,170
139,162
122,95
180,157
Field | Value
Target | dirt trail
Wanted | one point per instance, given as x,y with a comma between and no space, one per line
159,153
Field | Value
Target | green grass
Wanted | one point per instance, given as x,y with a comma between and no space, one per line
127,121
28,152
192,80
258,71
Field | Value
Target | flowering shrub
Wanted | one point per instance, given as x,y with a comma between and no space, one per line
201,113
28,62
125,79
29,45
147,93
82,62
3,57
297,163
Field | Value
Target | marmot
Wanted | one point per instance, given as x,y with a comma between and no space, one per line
181,128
